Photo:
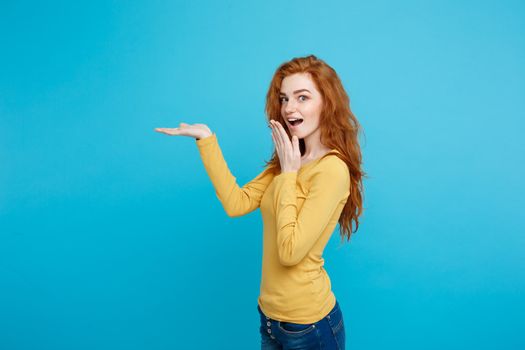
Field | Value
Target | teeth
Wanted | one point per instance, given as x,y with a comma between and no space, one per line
292,120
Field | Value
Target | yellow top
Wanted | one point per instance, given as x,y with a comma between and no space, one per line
300,210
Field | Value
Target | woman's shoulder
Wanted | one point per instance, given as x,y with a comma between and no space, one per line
333,158
330,171
330,165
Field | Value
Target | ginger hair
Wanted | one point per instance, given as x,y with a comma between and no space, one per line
339,128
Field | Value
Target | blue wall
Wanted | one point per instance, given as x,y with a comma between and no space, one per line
111,236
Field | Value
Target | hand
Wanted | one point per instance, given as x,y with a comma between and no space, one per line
198,131
288,152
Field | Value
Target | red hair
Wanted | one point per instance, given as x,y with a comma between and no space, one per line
339,128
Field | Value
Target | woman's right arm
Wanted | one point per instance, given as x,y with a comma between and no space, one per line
236,201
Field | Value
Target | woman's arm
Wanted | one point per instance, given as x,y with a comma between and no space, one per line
236,201
297,231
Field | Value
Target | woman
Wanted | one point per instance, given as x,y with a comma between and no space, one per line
312,182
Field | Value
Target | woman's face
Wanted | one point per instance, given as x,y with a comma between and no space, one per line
300,100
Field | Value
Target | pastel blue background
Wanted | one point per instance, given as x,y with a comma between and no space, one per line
111,236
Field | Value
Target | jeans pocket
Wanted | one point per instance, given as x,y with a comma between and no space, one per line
297,329
336,321
338,326
335,318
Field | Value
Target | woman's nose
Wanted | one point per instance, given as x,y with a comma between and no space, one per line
290,106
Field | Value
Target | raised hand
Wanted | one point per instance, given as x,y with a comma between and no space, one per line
198,131
288,152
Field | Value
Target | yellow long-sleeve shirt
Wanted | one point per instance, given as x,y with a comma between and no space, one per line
300,211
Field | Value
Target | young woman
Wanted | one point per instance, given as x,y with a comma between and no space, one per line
312,182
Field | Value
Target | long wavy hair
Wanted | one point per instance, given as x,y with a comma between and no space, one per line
339,128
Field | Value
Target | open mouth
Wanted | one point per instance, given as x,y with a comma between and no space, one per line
295,122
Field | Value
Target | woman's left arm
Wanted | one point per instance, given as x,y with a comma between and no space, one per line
297,231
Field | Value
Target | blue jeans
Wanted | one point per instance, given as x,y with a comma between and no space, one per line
328,333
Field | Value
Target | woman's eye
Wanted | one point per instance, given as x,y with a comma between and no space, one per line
281,99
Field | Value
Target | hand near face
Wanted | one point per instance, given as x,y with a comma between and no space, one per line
288,152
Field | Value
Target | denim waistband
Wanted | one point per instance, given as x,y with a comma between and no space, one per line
334,309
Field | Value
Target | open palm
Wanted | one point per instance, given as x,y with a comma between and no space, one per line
198,131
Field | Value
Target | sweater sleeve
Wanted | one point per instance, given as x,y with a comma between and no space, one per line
236,201
297,231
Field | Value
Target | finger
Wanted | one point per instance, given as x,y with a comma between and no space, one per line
276,140
280,138
275,134
285,140
275,143
168,131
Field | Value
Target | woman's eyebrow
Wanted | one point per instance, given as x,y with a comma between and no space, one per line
296,91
